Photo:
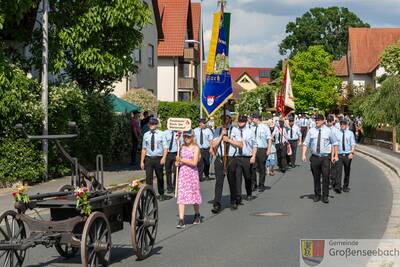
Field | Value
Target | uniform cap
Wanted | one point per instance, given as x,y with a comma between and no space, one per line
188,133
319,117
153,121
202,120
256,116
242,118
343,122
330,118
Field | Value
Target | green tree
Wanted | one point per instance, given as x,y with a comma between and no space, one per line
382,106
321,26
93,41
250,101
390,59
314,81
142,98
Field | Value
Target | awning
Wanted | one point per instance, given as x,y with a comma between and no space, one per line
120,105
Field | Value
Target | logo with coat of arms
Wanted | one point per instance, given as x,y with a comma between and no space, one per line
312,251
210,100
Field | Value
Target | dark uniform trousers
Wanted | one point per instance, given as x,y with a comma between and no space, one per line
243,170
281,153
320,166
259,165
204,163
151,165
345,162
293,146
303,133
170,170
220,175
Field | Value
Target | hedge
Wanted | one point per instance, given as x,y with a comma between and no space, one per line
178,110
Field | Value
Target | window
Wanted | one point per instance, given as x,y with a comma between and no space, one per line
150,55
186,71
184,96
265,73
245,80
137,55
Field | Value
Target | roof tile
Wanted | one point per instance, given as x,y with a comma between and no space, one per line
174,16
367,45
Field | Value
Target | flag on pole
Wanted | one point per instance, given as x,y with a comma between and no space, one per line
218,84
285,98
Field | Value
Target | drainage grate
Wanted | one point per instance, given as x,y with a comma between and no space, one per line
269,214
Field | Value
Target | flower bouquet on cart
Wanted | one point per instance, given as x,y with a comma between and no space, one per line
135,186
82,200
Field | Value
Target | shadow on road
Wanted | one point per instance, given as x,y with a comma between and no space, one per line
118,254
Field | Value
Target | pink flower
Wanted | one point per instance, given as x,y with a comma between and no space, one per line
14,194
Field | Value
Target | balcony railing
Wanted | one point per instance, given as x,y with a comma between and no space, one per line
190,54
187,83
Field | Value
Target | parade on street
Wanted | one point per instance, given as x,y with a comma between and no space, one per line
199,133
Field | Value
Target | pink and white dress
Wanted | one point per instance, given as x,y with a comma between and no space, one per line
188,180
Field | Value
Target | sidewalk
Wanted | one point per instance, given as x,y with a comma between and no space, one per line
385,156
111,178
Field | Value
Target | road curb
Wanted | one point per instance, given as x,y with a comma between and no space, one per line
393,168
392,228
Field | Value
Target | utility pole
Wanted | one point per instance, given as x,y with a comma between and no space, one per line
45,93
201,59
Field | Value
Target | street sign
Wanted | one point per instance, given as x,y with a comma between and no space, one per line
179,124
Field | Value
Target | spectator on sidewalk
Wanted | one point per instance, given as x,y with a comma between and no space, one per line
188,180
136,134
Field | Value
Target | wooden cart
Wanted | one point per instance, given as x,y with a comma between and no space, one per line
68,230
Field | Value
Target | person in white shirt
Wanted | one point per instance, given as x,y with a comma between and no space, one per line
294,136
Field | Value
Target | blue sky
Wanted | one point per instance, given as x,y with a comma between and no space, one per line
258,26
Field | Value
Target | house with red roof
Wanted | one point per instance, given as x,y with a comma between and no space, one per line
145,57
178,52
361,66
250,78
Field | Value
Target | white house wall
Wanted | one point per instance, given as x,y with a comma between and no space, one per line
167,85
146,76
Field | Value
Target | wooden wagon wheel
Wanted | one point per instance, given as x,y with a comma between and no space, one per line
66,188
96,241
66,250
144,222
11,230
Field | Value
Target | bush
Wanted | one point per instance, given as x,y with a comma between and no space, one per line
19,103
121,137
178,110
19,160
142,98
101,131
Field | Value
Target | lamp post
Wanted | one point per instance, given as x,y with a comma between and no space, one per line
45,60
200,43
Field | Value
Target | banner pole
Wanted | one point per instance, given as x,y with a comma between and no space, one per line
177,167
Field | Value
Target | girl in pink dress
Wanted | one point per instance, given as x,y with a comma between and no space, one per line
188,179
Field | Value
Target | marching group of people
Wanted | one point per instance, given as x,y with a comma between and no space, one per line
246,152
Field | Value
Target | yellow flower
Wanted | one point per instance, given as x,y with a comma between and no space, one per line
20,188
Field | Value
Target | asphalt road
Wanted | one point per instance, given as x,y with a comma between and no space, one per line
239,238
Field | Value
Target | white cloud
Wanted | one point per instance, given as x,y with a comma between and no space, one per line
258,26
